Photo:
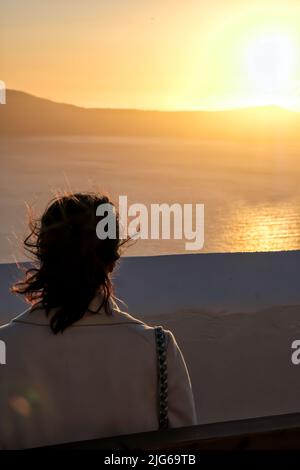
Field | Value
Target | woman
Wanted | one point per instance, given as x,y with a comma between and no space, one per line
77,367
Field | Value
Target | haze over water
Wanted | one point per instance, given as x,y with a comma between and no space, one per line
250,190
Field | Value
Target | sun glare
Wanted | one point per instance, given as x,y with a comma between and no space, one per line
271,65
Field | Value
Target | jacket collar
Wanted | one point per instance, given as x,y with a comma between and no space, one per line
37,316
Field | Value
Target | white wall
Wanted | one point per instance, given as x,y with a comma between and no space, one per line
219,282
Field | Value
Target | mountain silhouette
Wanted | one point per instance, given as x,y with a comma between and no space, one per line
27,115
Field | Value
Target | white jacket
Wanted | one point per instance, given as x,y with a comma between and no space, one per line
97,379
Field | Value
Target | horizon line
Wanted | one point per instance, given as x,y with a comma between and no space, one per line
155,110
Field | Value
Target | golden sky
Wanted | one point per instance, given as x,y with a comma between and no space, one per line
154,54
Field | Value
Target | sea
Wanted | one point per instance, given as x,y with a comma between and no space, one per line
250,190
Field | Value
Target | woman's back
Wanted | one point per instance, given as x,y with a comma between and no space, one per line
78,368
97,379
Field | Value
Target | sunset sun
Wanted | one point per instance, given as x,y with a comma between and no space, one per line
271,65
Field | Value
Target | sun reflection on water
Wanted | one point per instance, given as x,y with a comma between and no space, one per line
263,227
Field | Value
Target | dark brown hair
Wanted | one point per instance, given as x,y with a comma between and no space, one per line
73,264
